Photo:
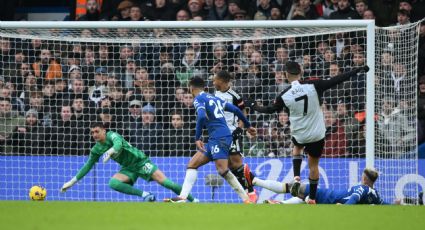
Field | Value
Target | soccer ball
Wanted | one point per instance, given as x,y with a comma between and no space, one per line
37,193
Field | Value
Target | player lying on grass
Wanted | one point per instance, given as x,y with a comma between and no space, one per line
224,91
210,113
364,193
134,164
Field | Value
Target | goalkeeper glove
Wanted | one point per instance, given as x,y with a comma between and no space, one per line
108,154
69,184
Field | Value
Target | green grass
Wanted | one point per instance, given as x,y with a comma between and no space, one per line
157,216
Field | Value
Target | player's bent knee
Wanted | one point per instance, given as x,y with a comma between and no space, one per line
114,183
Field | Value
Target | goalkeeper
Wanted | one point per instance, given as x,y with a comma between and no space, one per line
134,163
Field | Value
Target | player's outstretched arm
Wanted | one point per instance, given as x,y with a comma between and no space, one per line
322,85
201,118
277,106
81,173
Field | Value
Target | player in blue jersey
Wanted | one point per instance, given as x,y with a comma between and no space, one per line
210,113
364,193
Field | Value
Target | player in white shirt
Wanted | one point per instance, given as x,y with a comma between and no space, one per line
302,101
222,84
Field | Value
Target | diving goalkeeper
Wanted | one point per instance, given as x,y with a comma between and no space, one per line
134,164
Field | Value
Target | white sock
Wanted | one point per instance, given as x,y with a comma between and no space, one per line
236,186
275,186
189,181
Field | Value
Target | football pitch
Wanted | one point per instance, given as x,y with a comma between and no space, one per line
155,216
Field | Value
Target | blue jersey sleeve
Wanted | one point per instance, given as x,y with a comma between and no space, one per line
357,192
200,122
231,108
201,118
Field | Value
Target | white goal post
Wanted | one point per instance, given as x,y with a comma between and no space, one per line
252,50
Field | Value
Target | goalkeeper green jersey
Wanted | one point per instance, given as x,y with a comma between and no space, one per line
125,154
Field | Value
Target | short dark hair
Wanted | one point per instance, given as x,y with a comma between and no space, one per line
97,124
197,82
224,75
404,12
293,67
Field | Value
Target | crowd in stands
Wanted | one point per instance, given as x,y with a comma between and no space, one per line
50,91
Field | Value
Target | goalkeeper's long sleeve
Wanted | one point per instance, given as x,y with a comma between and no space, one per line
87,167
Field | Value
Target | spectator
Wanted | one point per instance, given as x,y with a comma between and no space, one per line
67,138
103,56
136,13
219,59
109,119
182,15
244,56
79,88
117,98
109,8
308,66
219,11
9,121
281,56
307,8
264,8
344,11
361,7
278,143
276,13
98,90
369,14
335,140
403,17
92,11
393,131
326,7
30,138
332,95
123,11
189,65
132,121
178,136
396,81
160,10
196,8
46,68
80,112
240,15
149,134
185,104
415,9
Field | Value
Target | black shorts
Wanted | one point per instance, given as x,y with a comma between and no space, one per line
313,149
236,147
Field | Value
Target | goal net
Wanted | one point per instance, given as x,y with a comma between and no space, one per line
57,78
